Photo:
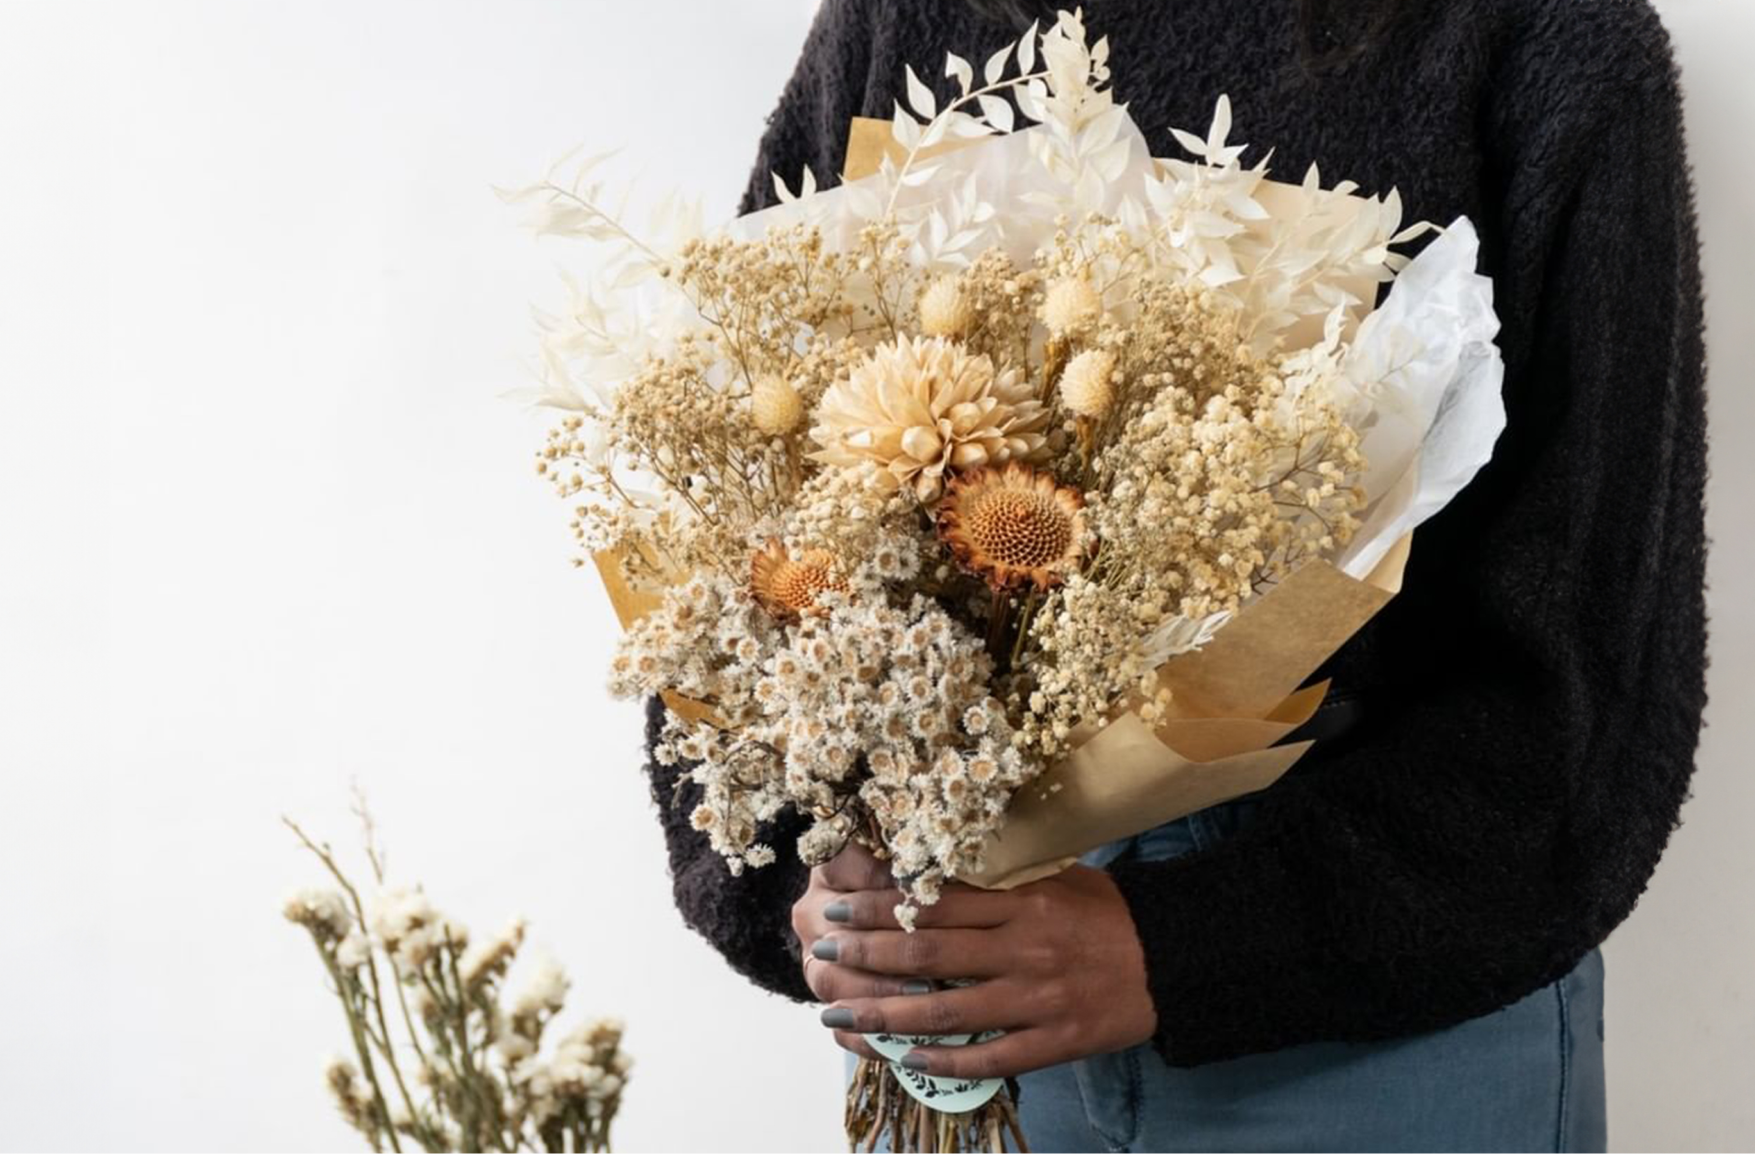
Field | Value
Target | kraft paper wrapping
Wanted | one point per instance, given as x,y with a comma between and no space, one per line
1242,696
631,604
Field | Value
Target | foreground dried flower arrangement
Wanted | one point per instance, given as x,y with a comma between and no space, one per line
919,508
443,1058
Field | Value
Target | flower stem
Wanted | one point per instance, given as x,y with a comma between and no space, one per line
998,620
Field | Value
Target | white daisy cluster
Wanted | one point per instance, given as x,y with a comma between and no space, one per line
874,715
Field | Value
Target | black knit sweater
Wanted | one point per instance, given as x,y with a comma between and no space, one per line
1535,693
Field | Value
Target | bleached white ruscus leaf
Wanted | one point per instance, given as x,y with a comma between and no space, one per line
904,128
964,126
807,187
920,97
996,63
1221,126
936,131
998,112
960,69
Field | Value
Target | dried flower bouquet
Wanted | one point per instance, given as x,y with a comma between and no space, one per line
939,497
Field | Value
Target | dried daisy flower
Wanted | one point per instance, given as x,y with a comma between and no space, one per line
775,406
945,310
920,408
1013,527
1071,307
1087,386
788,586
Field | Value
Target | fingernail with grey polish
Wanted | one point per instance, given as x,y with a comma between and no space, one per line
914,1061
838,912
838,1018
914,986
825,949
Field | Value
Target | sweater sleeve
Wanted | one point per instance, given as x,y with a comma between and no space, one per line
1477,843
808,127
747,918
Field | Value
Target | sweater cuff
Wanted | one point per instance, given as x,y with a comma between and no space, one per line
1202,964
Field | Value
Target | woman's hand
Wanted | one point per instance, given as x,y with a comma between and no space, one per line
1059,966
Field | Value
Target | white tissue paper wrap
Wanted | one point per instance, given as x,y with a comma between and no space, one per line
1431,376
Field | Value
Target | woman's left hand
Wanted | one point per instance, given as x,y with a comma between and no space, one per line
1058,964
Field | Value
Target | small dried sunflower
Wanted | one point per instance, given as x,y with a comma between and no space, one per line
1013,526
788,586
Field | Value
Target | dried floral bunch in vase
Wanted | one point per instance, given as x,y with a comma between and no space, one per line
920,497
444,1057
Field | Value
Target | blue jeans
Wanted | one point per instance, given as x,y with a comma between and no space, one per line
1526,1077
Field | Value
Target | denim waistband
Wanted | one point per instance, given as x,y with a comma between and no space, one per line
1185,835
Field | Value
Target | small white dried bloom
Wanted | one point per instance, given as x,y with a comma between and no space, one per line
1087,386
411,930
352,1098
775,406
353,951
1071,307
323,912
546,990
488,960
514,1048
945,309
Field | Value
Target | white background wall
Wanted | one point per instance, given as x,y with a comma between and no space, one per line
268,528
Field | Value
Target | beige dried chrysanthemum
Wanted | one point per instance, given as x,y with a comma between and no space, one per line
921,408
787,586
1071,306
1013,527
945,309
1087,384
775,406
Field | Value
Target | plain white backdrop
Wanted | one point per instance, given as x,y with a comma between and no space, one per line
268,528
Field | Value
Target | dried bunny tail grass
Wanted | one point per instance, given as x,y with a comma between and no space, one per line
1087,387
944,309
775,406
1072,307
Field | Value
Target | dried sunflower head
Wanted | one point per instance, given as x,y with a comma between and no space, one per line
920,408
1013,527
788,586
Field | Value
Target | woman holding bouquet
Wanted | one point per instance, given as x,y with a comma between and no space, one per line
1396,945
